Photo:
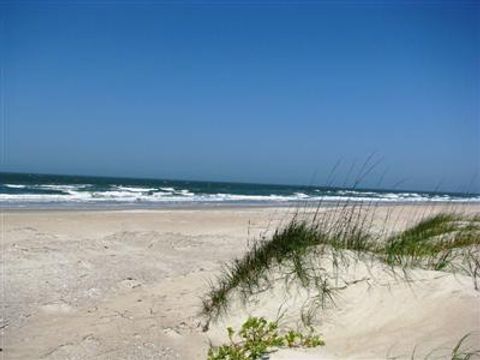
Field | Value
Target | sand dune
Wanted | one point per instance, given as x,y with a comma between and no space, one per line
127,285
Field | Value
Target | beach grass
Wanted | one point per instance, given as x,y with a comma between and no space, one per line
441,242
432,241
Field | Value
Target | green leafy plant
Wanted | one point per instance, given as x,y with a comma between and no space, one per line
257,337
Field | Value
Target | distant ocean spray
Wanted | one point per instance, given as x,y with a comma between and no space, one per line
34,190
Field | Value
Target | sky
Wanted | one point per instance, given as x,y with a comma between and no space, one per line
270,92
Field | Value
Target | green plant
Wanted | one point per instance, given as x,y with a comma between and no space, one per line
435,243
257,337
288,245
460,352
442,242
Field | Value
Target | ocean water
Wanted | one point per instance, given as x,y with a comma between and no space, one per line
35,190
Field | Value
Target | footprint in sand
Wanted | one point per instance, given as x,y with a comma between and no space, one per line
130,283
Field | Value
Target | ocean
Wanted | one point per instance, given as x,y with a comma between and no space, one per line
36,190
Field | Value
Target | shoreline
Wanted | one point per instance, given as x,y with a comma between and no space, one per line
228,205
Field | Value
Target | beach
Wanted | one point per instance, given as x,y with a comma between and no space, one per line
128,284
239,180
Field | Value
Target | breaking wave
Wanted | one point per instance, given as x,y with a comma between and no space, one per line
24,194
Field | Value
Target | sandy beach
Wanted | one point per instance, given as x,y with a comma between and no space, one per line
239,180
127,284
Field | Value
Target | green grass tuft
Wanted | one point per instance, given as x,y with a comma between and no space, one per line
433,243
446,242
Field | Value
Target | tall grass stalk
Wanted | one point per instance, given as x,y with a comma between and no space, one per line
444,241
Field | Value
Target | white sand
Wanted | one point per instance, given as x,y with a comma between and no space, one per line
127,285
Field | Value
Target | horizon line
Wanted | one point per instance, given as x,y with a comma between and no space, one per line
243,183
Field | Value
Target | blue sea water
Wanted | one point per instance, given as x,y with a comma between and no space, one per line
36,190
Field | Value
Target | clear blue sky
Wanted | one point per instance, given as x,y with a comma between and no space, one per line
269,93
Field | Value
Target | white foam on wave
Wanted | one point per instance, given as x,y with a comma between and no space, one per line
185,193
135,189
58,187
168,189
32,198
123,194
14,186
